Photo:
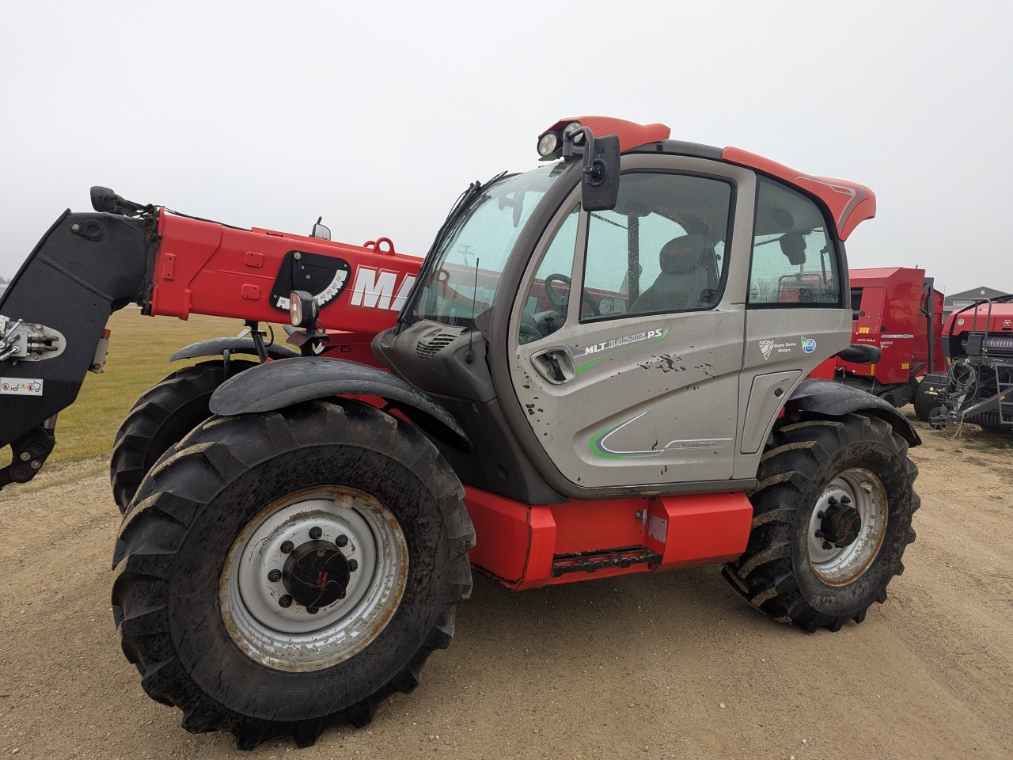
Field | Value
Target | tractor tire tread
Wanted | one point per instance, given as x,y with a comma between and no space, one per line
157,417
188,477
797,451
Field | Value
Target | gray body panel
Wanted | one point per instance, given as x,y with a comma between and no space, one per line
663,406
775,360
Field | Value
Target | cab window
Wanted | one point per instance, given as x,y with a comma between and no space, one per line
794,262
546,302
661,249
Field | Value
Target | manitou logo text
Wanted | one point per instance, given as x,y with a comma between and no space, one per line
377,289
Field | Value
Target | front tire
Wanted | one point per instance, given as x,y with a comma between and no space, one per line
808,560
160,418
235,535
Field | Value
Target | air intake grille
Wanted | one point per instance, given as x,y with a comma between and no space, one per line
429,347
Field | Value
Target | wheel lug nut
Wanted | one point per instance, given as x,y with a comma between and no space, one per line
352,565
287,547
313,610
341,540
818,534
845,500
315,533
827,546
285,601
274,576
819,515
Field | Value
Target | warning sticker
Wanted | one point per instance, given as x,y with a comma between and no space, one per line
20,386
657,529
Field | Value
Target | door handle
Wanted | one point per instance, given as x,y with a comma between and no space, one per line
555,365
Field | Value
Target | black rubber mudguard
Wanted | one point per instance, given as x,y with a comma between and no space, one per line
215,347
277,385
836,399
86,266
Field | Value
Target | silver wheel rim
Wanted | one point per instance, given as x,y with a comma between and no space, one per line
292,638
838,566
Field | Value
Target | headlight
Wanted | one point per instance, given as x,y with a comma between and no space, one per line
570,128
303,309
547,144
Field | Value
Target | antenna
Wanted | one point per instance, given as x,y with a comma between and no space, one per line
469,355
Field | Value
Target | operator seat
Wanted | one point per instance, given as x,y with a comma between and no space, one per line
688,277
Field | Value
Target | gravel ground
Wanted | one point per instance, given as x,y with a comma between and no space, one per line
674,665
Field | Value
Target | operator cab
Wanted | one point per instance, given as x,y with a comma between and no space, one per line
590,346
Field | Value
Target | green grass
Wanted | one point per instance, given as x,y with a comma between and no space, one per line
139,347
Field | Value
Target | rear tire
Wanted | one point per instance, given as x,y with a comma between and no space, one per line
159,419
239,499
788,571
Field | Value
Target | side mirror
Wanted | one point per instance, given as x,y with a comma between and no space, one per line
599,185
320,231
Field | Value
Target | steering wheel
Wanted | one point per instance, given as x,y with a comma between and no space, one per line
560,301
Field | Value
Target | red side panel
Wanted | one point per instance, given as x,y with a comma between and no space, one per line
890,318
699,530
630,133
519,543
507,533
849,202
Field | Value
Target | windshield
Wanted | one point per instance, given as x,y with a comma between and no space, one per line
462,282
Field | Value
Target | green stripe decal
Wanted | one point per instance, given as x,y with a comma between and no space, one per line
597,439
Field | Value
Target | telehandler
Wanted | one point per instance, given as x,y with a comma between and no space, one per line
597,370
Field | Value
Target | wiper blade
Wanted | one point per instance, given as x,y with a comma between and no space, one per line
475,189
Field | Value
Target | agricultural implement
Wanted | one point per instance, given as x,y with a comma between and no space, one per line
896,312
597,370
977,386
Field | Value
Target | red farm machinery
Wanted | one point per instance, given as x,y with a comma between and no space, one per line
599,369
977,384
897,313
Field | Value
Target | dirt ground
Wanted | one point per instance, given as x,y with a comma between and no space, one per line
674,665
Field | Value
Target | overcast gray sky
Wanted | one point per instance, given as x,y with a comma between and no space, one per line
377,115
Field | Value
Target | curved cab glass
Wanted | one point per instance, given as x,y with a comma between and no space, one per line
462,283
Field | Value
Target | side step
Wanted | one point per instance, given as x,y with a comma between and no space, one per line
590,562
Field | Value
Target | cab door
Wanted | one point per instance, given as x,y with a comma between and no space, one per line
796,313
626,334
